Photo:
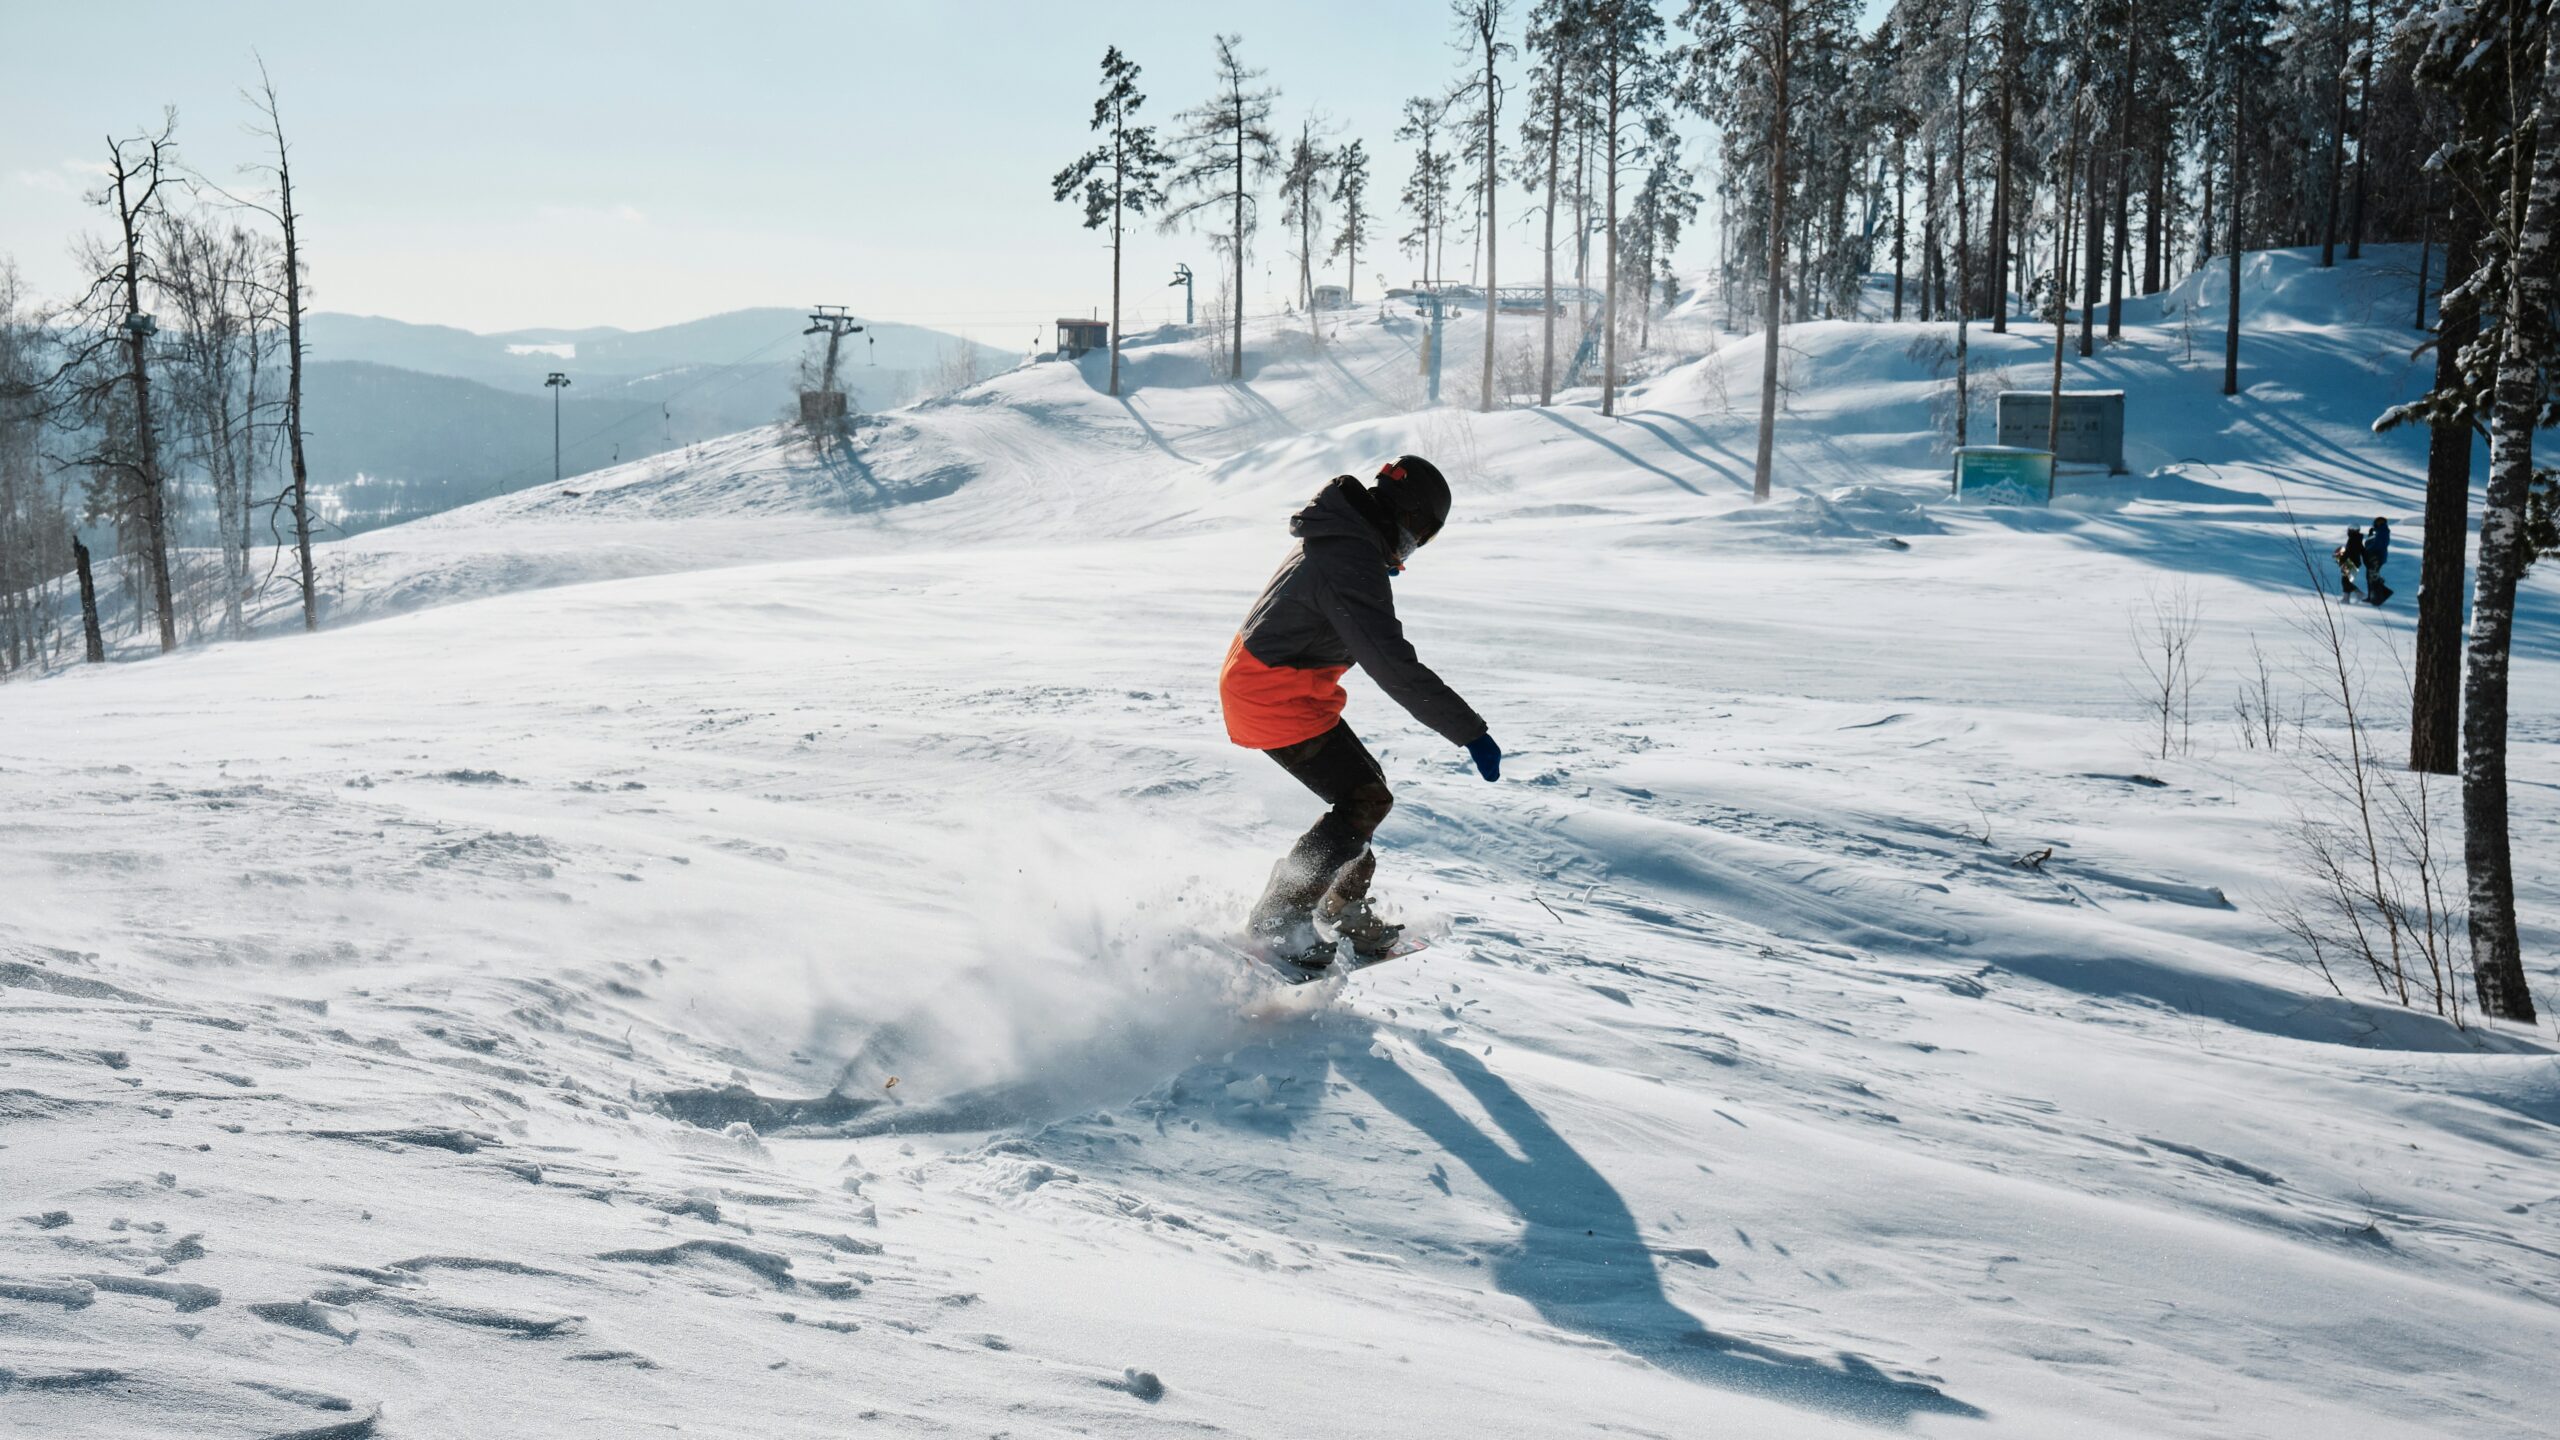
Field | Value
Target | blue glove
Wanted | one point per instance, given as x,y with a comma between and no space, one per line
1487,755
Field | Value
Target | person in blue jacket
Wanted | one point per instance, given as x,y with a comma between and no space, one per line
2377,549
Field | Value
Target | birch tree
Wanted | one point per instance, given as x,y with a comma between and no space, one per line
2520,403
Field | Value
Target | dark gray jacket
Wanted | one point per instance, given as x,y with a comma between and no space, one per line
1328,607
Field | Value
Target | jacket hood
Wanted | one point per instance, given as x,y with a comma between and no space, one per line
1342,510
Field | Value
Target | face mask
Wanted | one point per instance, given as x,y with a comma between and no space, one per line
1406,543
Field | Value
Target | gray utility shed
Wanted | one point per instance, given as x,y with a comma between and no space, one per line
1082,337
2091,432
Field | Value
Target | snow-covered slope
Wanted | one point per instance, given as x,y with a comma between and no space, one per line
759,993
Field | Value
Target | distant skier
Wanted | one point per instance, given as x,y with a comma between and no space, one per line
2377,549
2350,558
1327,607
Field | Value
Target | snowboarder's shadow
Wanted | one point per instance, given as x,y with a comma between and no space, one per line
1582,1264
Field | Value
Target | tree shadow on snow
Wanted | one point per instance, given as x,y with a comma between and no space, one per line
1551,414
1582,1264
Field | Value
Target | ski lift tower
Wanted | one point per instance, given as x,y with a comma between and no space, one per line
1182,277
825,405
1430,301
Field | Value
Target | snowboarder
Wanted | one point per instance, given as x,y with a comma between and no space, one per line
1328,607
2377,549
2350,558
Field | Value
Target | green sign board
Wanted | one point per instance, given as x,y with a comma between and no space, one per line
2003,475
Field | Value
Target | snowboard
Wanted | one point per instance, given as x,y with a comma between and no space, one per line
1291,973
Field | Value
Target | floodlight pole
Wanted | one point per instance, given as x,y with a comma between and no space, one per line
555,383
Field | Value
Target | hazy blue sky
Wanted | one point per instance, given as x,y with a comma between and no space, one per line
501,166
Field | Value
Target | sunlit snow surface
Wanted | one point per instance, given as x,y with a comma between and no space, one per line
480,1018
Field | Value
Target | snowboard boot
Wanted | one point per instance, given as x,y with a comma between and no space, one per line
1299,946
1346,908
1371,936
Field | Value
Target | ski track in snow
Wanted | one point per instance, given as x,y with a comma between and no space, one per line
719,950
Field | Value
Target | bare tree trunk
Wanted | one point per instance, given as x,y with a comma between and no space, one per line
2497,954
1555,153
2066,187
2426,256
1239,236
1933,272
2364,132
2124,170
235,524
300,491
1901,189
1492,187
1782,58
1582,223
1609,288
2001,191
155,500
1964,225
2155,230
2231,330
2094,261
2435,703
2204,214
1119,189
97,640
2337,147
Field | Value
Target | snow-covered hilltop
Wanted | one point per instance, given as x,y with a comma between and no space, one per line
717,949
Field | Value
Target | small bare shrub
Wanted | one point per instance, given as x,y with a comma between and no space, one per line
2370,843
2164,639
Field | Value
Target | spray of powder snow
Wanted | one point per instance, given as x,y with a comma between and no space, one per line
1077,975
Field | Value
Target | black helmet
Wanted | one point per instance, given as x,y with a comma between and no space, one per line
1417,494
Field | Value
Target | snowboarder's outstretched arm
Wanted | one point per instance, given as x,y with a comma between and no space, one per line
1354,592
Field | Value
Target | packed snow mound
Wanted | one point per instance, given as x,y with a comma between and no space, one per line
2289,290
775,470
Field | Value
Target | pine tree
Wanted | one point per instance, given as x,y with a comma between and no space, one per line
1350,166
1119,178
1226,148
1629,74
1738,47
1303,191
2239,64
1482,21
1555,37
1426,190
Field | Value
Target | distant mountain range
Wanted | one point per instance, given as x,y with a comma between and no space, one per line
409,419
